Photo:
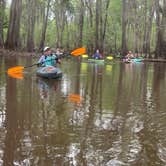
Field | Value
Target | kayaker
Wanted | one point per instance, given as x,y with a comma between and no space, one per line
130,55
58,53
97,55
48,59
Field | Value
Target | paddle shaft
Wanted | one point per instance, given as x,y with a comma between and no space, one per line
40,62
32,65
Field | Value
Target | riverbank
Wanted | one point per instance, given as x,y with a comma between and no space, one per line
8,53
154,60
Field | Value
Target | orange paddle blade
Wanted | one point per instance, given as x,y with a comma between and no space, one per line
15,70
79,51
75,98
16,75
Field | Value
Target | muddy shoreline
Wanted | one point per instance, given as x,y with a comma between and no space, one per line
8,53
154,60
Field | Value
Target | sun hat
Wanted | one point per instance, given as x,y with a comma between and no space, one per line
46,48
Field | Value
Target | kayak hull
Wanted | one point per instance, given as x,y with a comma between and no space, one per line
135,60
49,72
98,61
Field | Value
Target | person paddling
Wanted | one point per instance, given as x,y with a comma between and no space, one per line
48,59
97,55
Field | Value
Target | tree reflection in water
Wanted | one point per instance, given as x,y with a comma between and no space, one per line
120,121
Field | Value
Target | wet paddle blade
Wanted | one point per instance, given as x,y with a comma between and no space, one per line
15,70
16,75
75,98
78,51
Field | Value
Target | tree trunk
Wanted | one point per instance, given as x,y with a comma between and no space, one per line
149,26
148,30
145,29
60,21
2,11
124,23
105,23
97,24
163,31
136,26
101,10
13,36
81,23
158,31
44,28
31,25
89,26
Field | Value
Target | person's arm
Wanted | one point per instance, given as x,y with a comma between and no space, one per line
41,59
56,58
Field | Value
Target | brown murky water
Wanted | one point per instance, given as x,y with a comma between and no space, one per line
118,119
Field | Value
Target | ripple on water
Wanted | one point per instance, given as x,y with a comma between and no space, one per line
162,152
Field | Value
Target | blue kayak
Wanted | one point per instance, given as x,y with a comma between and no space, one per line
49,72
135,60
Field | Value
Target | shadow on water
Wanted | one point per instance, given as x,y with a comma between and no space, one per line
120,121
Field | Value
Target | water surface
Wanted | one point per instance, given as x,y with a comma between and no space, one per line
119,118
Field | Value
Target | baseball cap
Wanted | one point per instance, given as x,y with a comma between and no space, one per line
46,48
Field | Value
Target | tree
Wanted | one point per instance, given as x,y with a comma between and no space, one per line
2,13
81,23
148,28
97,23
44,28
105,23
31,25
161,30
124,23
13,34
60,9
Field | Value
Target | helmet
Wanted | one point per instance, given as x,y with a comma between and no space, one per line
46,48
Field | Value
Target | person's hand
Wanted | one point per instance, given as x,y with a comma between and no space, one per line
39,64
59,61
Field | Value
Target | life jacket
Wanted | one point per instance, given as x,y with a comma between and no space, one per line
50,60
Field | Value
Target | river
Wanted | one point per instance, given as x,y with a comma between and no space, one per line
108,114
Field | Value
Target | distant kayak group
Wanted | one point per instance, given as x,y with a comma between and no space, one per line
130,57
97,57
47,67
47,63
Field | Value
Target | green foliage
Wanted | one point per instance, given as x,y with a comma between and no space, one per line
64,17
51,33
6,21
38,30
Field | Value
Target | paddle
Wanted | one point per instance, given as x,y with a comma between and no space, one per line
75,98
16,75
19,69
78,51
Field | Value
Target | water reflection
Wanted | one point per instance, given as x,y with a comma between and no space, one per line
45,86
120,121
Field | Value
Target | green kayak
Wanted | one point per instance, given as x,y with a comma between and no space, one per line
98,61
